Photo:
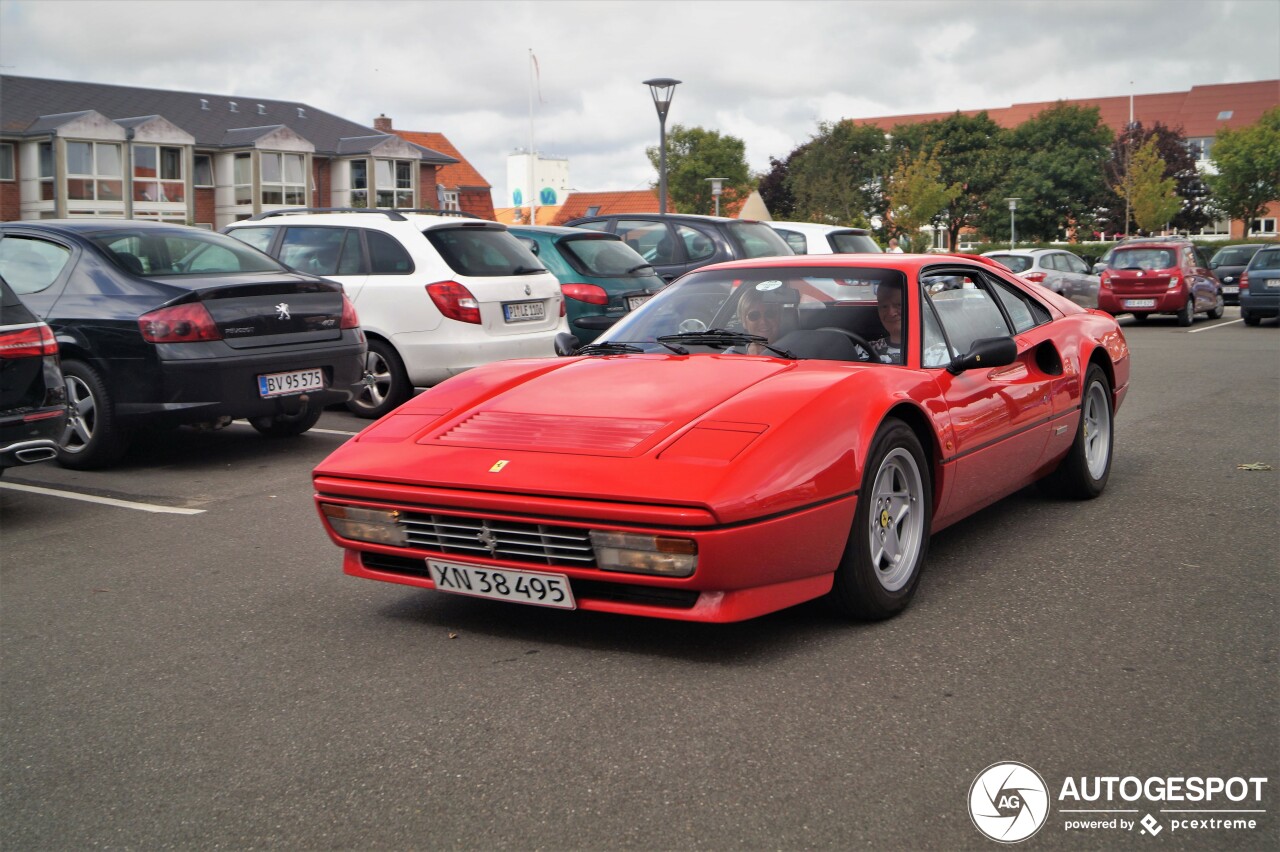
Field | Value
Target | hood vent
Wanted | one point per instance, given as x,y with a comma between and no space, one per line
551,433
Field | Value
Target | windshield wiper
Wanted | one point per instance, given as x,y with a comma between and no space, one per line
722,338
528,270
606,348
638,268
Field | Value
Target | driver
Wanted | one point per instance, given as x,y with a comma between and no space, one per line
888,347
759,317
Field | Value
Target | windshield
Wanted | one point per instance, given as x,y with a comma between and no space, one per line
483,252
1269,259
604,257
1143,258
1014,262
804,313
181,252
756,239
851,243
1235,255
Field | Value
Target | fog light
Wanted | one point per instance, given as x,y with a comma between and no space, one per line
376,526
644,554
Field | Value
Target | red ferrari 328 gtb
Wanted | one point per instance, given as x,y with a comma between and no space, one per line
758,434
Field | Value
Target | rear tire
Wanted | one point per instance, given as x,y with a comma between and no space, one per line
1084,471
1250,319
388,384
1187,315
1218,308
94,436
880,569
288,425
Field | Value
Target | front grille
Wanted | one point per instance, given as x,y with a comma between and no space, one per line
541,544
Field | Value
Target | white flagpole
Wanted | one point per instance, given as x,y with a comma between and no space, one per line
533,196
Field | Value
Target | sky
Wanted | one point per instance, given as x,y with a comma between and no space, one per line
765,71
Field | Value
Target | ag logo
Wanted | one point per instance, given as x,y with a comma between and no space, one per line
1008,802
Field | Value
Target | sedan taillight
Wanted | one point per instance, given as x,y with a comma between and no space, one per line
179,324
1244,281
33,342
349,317
589,293
455,301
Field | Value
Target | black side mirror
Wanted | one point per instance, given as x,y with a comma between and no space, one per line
566,343
985,353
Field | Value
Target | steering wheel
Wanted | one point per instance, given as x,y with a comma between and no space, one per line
857,339
692,324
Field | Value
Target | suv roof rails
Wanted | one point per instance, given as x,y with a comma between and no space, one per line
392,214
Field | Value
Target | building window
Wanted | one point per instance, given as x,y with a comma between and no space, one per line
242,178
360,183
449,200
1263,228
1218,228
204,170
394,183
93,172
283,179
6,161
157,174
1200,146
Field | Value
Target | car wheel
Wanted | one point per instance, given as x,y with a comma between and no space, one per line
1187,315
288,425
93,436
880,569
1085,469
1250,319
386,383
1219,307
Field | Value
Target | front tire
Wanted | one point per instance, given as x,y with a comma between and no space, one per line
880,569
94,436
1084,471
288,425
387,382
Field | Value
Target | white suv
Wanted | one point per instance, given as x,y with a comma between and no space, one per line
436,294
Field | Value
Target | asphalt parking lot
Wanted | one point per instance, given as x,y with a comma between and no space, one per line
183,664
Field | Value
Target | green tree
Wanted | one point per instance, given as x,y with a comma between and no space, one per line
836,177
1056,170
1154,197
915,195
972,154
695,154
1171,145
1248,164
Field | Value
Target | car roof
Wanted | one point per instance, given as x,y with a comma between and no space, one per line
372,217
99,224
819,228
905,262
692,217
560,230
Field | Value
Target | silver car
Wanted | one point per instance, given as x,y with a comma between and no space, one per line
1061,271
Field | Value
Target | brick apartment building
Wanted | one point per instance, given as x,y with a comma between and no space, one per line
1200,112
70,149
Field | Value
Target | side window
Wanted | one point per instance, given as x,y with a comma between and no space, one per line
796,241
594,226
259,238
651,240
935,345
965,311
1024,312
1075,264
386,256
1189,258
530,243
312,250
30,265
1201,260
697,245
352,260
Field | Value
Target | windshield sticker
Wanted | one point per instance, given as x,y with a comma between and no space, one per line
768,285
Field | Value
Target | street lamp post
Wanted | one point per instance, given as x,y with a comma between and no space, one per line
717,187
662,89
1013,233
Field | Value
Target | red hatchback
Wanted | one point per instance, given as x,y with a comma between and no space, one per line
1159,276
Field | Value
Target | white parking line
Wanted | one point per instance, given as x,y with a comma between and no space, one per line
332,431
1212,327
105,501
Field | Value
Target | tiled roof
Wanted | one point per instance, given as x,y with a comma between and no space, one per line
635,201
508,215
1196,111
459,175
210,118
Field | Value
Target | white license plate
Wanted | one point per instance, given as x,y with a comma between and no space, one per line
1139,303
1231,288
634,302
1273,283
297,381
523,311
503,584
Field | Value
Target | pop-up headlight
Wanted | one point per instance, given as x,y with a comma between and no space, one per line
644,554
376,526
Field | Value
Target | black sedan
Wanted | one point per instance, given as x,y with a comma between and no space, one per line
166,325
33,400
